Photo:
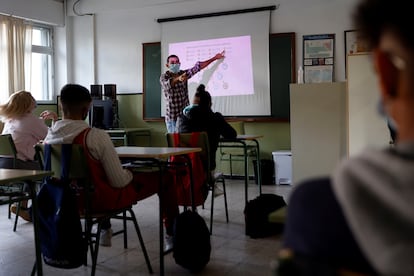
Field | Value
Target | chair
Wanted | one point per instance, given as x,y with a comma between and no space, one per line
8,150
185,139
236,154
80,173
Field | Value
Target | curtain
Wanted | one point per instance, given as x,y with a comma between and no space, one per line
15,55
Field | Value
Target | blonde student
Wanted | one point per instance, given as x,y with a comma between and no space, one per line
26,129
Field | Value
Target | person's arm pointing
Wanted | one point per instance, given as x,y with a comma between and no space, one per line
204,64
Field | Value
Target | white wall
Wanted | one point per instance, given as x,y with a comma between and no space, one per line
46,11
365,127
123,25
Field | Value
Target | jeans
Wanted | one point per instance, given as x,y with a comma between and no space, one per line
171,126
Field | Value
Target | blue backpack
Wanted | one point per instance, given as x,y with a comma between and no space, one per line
62,242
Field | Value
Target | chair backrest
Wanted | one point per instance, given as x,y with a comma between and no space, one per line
238,126
7,147
185,141
78,165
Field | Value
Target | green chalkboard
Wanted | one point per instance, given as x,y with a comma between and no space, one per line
282,73
151,60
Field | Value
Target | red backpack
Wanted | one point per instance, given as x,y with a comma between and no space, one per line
182,174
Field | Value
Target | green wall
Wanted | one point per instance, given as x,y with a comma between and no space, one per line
276,136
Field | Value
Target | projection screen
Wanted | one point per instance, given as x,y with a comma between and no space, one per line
239,84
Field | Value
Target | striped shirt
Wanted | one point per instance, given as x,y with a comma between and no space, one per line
176,97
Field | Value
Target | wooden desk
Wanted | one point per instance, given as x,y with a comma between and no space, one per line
124,134
241,141
157,153
8,176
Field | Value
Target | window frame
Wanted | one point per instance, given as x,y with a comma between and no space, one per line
47,50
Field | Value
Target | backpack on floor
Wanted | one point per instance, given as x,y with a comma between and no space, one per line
256,215
60,231
191,240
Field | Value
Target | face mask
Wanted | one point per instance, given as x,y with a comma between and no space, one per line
174,68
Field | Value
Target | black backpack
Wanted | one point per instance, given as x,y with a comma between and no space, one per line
62,242
256,215
191,240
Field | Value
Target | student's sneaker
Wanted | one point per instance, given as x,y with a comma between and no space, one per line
106,237
217,190
168,243
23,212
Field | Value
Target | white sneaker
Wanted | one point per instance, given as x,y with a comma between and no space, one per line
217,191
168,243
106,237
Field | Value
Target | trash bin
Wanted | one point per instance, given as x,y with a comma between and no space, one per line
283,166
266,170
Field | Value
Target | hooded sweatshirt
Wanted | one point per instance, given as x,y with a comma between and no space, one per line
376,193
99,145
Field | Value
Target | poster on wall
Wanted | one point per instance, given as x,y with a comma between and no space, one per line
352,45
318,58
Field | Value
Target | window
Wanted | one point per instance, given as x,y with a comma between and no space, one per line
41,80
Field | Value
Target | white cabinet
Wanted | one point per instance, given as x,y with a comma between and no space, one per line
317,128
330,121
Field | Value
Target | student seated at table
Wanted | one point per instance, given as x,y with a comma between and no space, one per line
200,117
117,187
26,129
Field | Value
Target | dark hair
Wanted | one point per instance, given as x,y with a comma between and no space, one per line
74,97
205,97
372,17
172,56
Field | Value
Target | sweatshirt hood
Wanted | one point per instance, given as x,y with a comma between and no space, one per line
65,131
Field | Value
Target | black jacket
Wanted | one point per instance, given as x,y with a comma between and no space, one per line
204,119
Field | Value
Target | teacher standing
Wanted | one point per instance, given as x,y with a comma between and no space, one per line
175,88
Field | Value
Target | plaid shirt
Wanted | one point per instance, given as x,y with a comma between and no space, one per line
176,97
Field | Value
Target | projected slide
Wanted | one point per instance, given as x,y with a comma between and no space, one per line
230,76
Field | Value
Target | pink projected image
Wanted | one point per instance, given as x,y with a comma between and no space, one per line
228,77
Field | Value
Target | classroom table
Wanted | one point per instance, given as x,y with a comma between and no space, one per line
158,155
242,141
124,134
10,176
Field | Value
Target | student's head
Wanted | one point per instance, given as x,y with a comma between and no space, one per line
196,99
385,27
204,96
173,63
18,104
75,100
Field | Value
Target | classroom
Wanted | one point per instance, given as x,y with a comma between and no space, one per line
105,42
106,47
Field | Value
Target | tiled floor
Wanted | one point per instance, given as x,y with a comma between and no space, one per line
233,253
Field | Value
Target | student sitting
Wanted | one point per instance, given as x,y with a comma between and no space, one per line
199,117
117,187
362,218
26,129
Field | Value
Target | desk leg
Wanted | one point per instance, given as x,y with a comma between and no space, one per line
39,263
126,139
259,166
161,230
246,176
190,167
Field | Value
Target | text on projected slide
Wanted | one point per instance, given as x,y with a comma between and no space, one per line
228,77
